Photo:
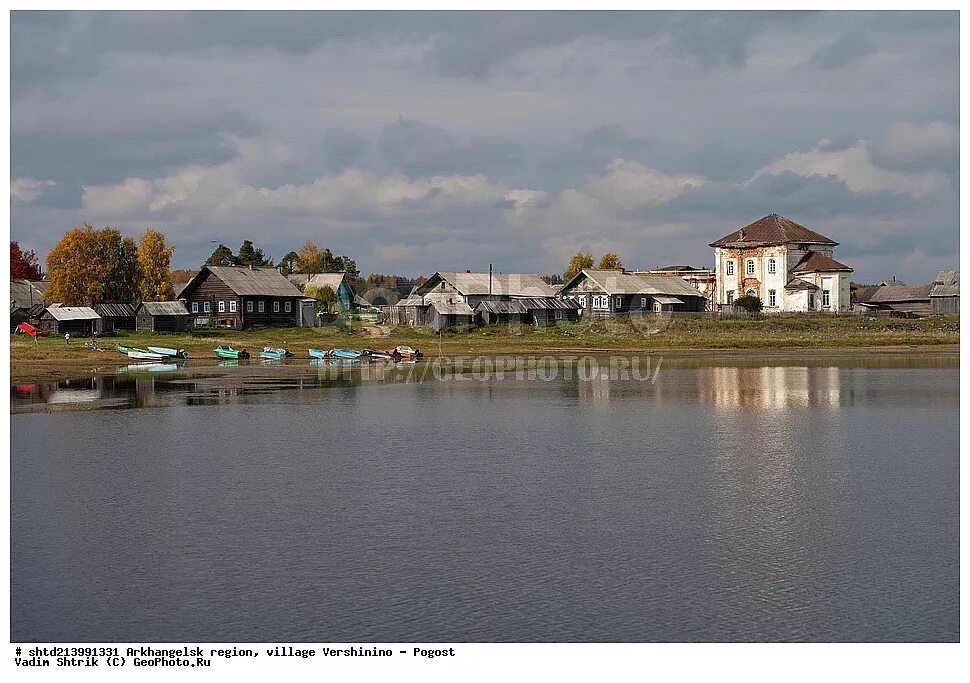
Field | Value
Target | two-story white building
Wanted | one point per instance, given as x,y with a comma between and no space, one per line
786,265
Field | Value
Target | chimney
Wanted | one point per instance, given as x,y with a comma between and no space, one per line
468,270
250,266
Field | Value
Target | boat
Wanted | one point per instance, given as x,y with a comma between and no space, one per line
344,353
144,355
271,352
230,353
120,348
377,355
172,353
406,352
318,353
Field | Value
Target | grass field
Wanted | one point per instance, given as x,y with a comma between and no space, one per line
49,355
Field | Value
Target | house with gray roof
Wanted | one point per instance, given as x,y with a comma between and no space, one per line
76,320
611,293
945,296
161,316
26,301
242,296
473,288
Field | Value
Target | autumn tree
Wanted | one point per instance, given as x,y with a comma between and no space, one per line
181,275
23,264
76,269
577,263
251,256
155,258
222,256
327,299
610,261
123,279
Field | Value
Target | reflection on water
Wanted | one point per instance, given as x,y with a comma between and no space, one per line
737,499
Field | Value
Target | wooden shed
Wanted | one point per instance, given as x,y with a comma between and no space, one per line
76,320
945,296
411,311
908,300
161,316
501,313
115,317
545,310
443,315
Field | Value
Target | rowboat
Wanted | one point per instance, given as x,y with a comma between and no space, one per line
344,353
172,353
377,355
230,353
406,352
317,353
125,349
145,355
270,352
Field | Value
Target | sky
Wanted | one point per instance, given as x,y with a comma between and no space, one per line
418,142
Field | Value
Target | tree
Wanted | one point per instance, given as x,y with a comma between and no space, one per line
327,299
124,271
155,258
309,259
182,275
76,270
288,263
222,256
577,263
749,302
23,264
610,261
251,256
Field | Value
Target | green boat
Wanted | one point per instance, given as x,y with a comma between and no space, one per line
120,348
230,353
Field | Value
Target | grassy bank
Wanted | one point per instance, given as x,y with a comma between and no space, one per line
682,334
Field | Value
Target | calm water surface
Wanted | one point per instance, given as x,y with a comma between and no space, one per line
741,500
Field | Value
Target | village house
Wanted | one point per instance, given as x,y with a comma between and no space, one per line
473,288
701,279
26,301
161,316
76,320
240,296
337,282
945,296
115,317
526,311
609,293
786,265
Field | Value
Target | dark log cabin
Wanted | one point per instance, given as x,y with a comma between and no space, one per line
239,296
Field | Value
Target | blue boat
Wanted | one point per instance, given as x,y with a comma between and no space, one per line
270,352
344,353
172,353
318,353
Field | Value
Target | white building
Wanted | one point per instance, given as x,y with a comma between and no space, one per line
786,265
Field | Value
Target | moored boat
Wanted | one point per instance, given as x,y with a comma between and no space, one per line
230,353
172,353
406,352
317,353
121,348
145,355
377,355
272,352
344,353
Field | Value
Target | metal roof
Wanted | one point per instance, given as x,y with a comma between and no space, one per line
246,281
25,293
772,229
901,293
163,308
666,299
503,284
798,283
331,280
502,306
114,310
618,282
72,313
815,261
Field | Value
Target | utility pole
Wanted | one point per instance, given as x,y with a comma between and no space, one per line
489,281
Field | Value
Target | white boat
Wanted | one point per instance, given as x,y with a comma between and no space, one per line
144,355
174,353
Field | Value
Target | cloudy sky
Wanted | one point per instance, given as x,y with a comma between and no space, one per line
441,141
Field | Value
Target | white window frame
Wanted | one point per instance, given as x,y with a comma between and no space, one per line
222,306
262,306
657,308
826,298
772,298
276,306
288,306
729,267
582,300
232,306
249,306
749,266
771,266
617,301
207,307
195,306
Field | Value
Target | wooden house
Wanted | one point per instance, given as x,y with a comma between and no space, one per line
611,293
115,317
535,311
161,316
945,296
904,300
473,288
443,315
501,313
337,282
410,311
240,296
26,302
79,321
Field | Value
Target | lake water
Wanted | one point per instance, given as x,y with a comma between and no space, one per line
719,499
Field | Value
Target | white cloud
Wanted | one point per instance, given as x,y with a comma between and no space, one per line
854,167
26,190
910,144
628,184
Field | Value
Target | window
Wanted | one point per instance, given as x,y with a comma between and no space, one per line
208,307
276,307
825,298
195,306
619,301
222,306
643,302
262,306
232,306
558,314
750,267
811,299
249,306
772,301
582,300
288,307
730,297
771,265
730,267
657,307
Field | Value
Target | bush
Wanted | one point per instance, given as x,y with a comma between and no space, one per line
750,303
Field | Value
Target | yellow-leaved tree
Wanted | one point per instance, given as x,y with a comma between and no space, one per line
155,257
577,263
77,269
610,261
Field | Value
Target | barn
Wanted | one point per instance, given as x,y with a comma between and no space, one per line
161,316
79,321
115,317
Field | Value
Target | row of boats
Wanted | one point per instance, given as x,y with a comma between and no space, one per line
151,353
397,353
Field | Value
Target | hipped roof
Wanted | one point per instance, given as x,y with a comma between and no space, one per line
772,229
